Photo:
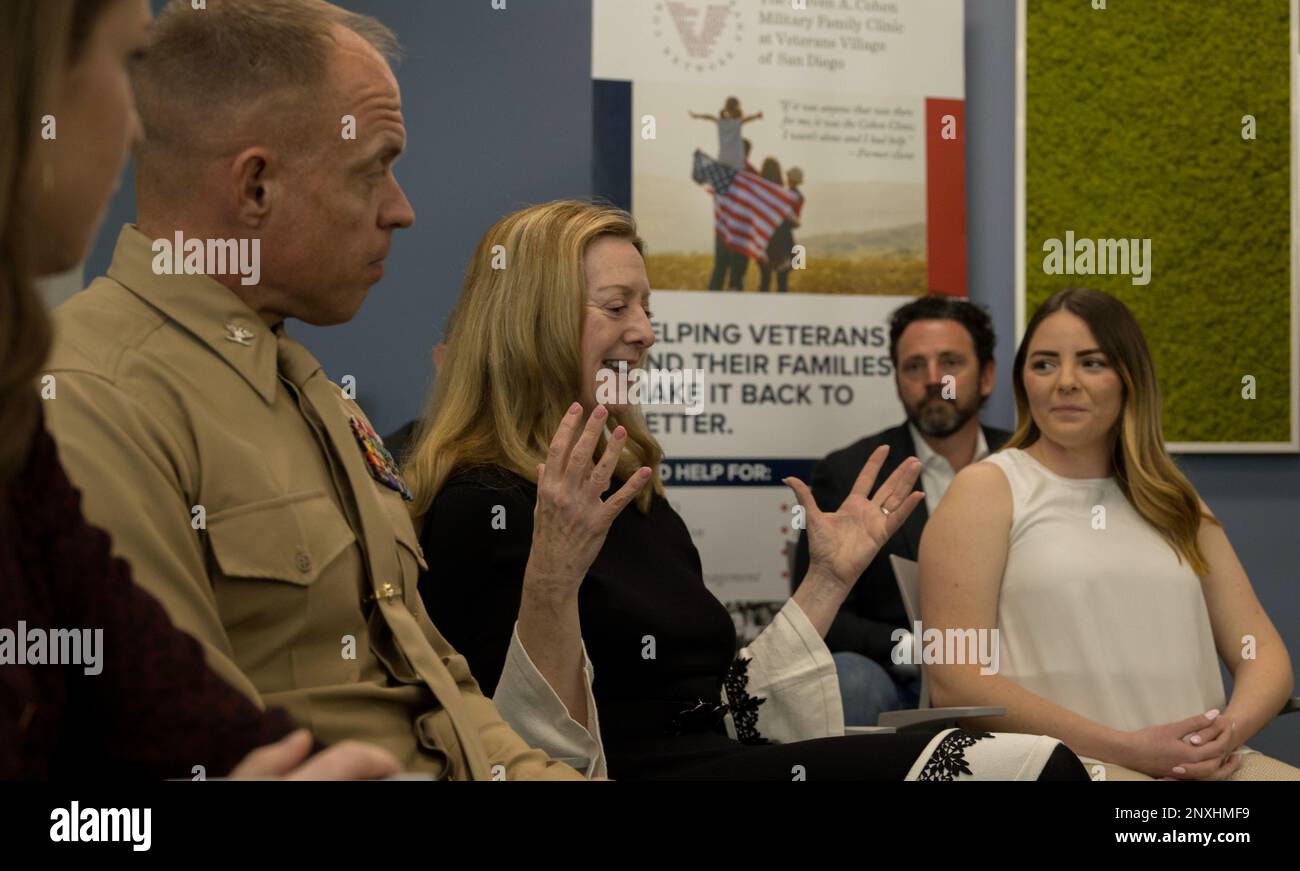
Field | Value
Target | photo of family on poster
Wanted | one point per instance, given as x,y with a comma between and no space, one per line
768,153
754,217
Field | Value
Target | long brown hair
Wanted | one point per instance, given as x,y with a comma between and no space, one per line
38,40
511,365
1151,482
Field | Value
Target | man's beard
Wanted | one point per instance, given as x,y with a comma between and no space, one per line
940,418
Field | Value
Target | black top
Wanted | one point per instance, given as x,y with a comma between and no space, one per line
154,709
658,640
874,608
399,441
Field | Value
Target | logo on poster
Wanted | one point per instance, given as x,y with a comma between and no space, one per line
698,35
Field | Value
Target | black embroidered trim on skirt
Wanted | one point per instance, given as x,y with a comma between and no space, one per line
949,758
744,707
705,717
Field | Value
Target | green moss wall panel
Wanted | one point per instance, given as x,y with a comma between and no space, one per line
1133,129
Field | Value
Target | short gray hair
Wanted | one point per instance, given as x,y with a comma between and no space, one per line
235,53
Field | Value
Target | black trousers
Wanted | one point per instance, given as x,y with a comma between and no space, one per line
765,280
728,267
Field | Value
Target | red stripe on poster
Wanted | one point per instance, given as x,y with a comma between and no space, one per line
945,196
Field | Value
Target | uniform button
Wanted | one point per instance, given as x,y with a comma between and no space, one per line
390,592
302,560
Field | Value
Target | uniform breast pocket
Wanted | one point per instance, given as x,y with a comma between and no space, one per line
268,556
409,553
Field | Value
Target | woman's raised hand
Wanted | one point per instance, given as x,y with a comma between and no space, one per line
571,519
843,543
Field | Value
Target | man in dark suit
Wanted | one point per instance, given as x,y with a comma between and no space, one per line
942,350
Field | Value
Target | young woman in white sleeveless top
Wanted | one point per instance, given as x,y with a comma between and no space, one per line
1114,590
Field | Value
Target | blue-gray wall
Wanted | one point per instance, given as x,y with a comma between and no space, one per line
498,114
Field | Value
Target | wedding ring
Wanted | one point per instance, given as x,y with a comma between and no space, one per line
886,510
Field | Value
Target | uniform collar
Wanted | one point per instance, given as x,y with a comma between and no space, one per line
206,309
927,455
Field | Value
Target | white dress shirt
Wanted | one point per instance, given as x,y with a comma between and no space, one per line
936,472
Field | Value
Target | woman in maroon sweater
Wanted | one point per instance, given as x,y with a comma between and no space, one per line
139,702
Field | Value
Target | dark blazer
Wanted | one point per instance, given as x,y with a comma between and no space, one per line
874,609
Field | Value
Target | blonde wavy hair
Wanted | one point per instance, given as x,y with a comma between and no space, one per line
512,365
1155,487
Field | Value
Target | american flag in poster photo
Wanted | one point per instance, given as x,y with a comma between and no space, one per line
747,208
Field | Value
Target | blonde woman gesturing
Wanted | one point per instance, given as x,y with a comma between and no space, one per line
539,553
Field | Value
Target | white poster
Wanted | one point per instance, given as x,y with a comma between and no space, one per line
797,172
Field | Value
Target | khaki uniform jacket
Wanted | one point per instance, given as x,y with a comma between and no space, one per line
234,477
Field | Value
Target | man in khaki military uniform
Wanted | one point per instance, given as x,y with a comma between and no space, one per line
249,494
